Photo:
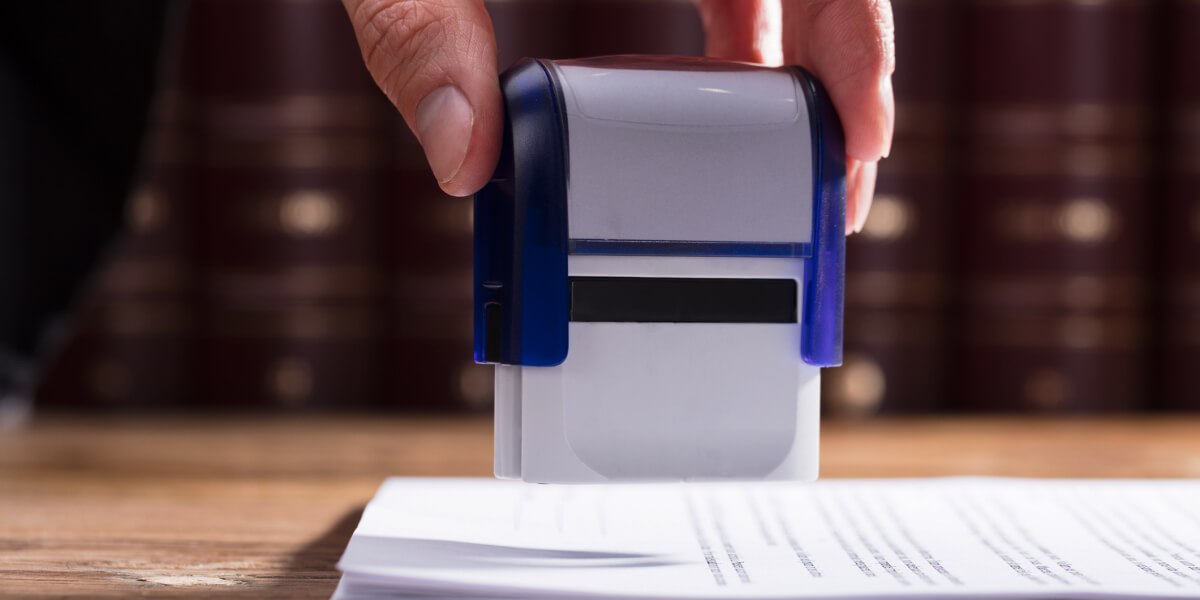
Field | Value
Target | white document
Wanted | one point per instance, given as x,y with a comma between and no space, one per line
859,539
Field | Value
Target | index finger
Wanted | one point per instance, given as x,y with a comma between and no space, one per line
850,46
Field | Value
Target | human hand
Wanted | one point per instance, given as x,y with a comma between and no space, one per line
847,44
436,61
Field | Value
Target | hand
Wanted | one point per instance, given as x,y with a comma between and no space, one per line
436,61
847,44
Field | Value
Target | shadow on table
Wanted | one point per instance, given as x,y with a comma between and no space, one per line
312,571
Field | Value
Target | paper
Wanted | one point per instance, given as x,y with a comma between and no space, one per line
860,539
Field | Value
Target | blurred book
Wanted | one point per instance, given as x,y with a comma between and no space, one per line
898,268
293,145
430,259
1055,205
130,341
578,28
1180,222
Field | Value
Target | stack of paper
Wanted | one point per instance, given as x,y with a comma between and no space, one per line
960,538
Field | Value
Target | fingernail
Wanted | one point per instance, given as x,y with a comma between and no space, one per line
851,193
888,98
444,121
865,190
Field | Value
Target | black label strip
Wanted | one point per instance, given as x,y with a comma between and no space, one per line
682,300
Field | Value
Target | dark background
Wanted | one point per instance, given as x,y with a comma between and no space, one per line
208,205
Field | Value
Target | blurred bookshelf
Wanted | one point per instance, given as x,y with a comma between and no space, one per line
1032,246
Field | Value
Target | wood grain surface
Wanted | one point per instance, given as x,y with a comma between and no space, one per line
201,506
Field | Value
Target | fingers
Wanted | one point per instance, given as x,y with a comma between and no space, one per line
436,61
849,45
745,30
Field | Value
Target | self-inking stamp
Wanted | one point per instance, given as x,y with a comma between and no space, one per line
659,270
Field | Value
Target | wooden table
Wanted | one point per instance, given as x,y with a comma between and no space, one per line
262,507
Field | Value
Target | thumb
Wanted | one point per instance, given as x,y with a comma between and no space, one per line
436,61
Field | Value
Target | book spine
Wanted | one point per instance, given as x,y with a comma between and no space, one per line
293,150
431,361
132,335
552,29
897,268
1180,324
130,342
1054,227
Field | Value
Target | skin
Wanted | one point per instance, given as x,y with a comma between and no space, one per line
436,61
